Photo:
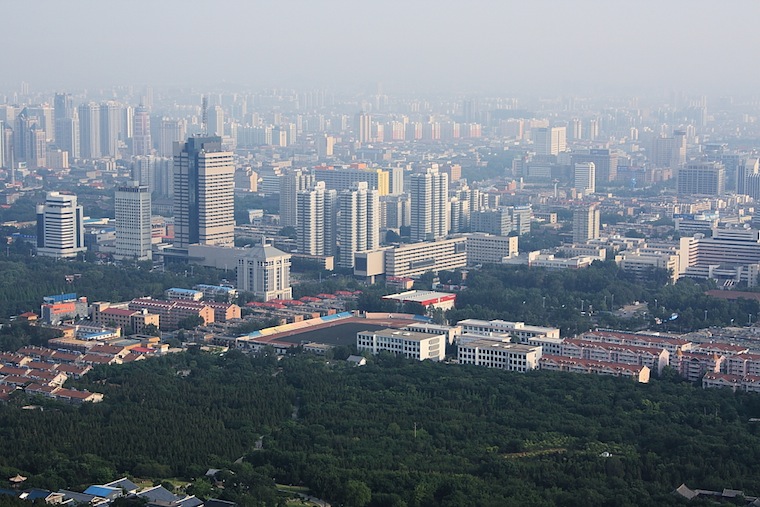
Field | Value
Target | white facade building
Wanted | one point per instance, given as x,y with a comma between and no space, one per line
133,222
412,345
60,226
499,354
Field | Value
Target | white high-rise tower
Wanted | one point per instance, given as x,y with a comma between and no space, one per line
60,226
429,196
359,220
133,225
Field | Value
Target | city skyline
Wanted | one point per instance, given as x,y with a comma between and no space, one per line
542,47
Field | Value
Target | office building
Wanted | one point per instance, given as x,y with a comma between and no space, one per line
498,354
489,249
415,259
142,144
316,228
585,177
133,222
265,271
496,221
519,331
550,140
586,223
358,222
89,131
702,178
429,201
747,168
60,226
203,193
291,182
605,164
409,344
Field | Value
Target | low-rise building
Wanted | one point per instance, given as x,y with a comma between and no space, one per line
692,366
498,354
640,373
412,345
654,358
519,330
426,298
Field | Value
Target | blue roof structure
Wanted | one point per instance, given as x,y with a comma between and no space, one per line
103,491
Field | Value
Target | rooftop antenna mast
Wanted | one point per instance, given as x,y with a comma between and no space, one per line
204,116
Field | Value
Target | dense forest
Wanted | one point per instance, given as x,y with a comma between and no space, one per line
395,433
578,300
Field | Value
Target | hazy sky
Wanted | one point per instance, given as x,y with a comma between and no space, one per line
559,46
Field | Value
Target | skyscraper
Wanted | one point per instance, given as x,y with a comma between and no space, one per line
203,193
317,220
170,132
89,130
133,226
110,125
586,223
141,140
60,226
291,183
585,177
429,195
359,222
216,121
363,127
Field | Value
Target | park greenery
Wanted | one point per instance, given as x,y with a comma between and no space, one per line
393,433
26,280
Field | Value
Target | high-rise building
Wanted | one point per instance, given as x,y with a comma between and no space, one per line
29,139
216,121
429,195
89,131
60,226
133,222
605,163
141,140
585,177
359,222
203,193
292,182
316,227
550,140
325,145
586,223
265,271
343,178
143,171
702,178
110,126
363,127
170,132
746,168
